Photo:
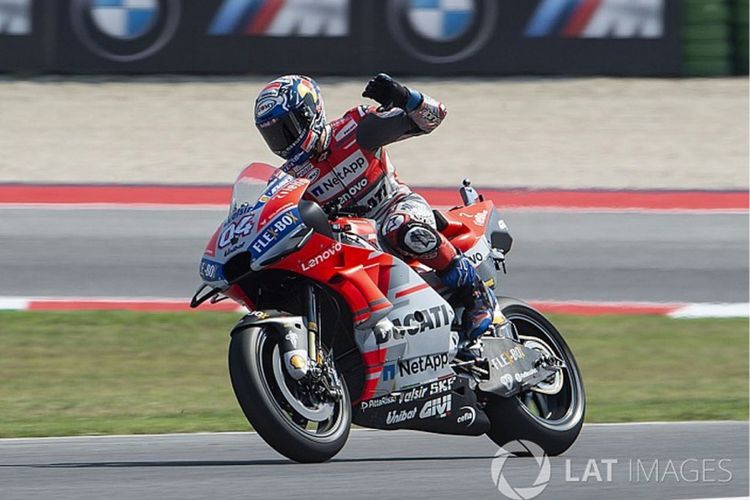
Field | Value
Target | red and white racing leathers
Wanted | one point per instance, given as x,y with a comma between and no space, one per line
355,170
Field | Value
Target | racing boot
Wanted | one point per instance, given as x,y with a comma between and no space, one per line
479,303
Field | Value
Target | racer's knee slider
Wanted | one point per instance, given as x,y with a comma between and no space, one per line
418,238
410,237
413,238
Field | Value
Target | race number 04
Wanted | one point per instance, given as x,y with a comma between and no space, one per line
236,230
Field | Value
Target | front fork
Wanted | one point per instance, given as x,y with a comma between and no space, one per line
312,312
300,347
322,367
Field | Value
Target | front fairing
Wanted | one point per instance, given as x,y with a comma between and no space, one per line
263,223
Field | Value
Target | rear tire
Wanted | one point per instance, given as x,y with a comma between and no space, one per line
552,422
258,393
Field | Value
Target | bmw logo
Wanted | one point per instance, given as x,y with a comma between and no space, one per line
441,23
125,30
123,19
442,31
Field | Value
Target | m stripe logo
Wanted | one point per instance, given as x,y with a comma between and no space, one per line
598,19
327,18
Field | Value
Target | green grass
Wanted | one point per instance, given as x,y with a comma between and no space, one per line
641,368
119,372
115,372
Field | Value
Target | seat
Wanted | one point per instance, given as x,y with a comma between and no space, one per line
459,234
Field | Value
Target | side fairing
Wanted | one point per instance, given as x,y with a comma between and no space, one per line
481,258
421,345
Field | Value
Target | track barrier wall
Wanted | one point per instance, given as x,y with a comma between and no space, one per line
348,37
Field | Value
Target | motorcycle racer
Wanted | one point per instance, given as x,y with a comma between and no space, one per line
348,166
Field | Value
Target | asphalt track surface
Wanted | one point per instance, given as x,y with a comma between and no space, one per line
661,257
653,461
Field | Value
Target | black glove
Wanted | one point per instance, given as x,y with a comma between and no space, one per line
387,91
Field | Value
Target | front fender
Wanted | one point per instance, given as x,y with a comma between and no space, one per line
291,333
278,320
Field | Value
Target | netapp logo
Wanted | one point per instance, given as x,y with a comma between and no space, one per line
422,364
125,30
15,17
442,32
339,177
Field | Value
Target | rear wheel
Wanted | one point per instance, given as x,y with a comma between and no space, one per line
550,415
289,415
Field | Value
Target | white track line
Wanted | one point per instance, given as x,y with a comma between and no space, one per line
13,304
678,311
712,311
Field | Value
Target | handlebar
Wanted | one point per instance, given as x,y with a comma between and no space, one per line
336,209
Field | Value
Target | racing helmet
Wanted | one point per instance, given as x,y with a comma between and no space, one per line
289,115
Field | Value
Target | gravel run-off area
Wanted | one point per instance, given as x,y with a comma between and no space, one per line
565,133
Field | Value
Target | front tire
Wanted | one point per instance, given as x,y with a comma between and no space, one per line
288,427
552,421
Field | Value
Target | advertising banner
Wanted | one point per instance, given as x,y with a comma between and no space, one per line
422,37
207,36
506,37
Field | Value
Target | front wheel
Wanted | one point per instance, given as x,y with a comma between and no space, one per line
551,414
289,415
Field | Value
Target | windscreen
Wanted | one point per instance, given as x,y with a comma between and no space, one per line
251,183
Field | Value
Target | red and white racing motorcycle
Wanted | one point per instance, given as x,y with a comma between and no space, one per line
340,331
